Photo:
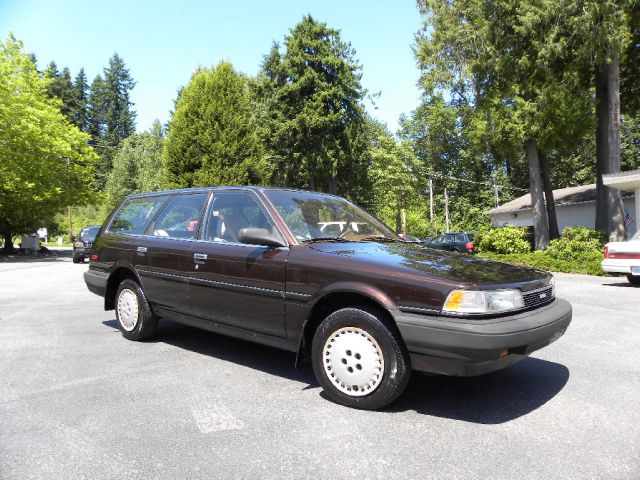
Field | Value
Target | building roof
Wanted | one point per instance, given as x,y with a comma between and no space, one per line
629,180
561,197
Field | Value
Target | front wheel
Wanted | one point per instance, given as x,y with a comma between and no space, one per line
134,315
633,279
358,360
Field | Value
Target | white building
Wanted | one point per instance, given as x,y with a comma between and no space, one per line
575,206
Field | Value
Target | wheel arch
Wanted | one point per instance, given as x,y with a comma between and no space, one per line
336,298
117,276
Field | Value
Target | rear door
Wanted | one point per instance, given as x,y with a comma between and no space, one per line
235,283
163,256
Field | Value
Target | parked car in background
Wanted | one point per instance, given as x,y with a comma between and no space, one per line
364,307
409,238
461,242
623,257
84,242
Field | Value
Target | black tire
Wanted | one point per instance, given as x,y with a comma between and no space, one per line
76,260
633,279
377,335
145,323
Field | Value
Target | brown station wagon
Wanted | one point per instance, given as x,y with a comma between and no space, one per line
363,306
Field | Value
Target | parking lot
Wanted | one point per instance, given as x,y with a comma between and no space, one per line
79,401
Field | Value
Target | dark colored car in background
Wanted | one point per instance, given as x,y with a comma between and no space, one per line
363,306
82,245
461,242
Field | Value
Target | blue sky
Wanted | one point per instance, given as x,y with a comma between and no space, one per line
163,42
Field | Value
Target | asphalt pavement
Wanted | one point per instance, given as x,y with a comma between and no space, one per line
78,401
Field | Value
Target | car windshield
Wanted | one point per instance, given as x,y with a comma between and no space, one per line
89,233
313,216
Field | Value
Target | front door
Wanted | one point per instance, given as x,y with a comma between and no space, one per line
235,283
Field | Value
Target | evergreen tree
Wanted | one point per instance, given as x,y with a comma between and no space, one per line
212,137
61,87
312,108
95,113
137,165
79,113
110,117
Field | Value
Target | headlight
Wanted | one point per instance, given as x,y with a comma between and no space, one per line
552,284
483,301
78,244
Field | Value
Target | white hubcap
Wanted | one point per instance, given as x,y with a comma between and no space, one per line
353,361
128,309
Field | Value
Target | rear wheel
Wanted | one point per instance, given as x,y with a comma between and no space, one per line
76,260
135,318
358,360
633,279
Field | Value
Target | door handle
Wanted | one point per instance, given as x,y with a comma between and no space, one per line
199,256
142,250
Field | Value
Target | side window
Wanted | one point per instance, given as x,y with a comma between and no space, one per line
461,238
135,214
437,240
232,211
181,217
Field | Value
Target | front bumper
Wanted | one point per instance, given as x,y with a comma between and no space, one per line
464,347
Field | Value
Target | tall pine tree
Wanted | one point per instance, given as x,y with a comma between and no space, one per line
312,106
111,118
212,137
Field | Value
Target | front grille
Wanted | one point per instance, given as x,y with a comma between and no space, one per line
538,297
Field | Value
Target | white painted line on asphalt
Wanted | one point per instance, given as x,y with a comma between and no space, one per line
215,417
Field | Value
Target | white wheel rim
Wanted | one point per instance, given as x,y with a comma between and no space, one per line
128,309
353,361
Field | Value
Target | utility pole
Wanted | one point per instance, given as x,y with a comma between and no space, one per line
431,205
70,226
446,208
496,195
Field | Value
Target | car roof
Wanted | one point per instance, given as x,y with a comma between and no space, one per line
230,187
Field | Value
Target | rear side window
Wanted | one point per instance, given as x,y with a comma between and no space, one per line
181,217
135,214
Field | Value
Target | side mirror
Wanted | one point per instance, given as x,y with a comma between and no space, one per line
259,236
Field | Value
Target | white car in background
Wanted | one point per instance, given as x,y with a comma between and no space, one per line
623,257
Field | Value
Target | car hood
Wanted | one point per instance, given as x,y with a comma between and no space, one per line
458,268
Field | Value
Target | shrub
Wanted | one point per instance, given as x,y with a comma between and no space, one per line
584,263
575,242
502,240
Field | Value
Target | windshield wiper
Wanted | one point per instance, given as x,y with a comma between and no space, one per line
379,239
325,239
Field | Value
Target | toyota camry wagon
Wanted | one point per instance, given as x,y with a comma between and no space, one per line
364,307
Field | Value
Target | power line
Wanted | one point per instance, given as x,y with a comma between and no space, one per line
492,185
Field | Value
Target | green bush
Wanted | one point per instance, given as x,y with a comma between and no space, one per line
585,263
575,242
502,240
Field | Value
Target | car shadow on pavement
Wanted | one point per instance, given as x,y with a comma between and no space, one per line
494,398
622,284
487,399
248,354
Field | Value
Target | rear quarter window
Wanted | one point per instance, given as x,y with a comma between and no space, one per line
135,214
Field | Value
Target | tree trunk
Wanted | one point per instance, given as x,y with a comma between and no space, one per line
540,219
554,232
609,207
8,241
333,184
